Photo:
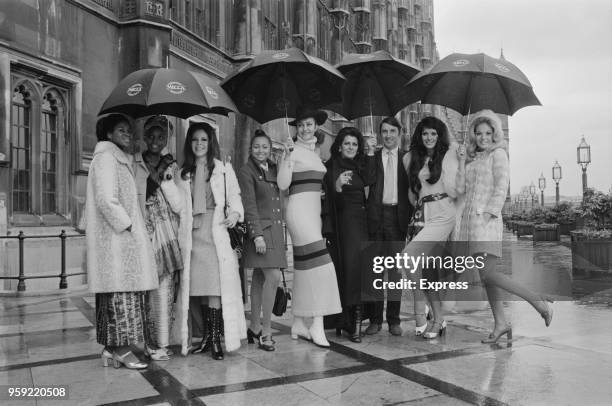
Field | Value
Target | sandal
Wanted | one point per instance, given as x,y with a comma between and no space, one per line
266,343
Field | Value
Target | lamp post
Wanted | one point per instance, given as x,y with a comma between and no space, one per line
556,175
532,192
583,152
542,186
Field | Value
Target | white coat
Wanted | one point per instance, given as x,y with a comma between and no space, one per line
231,293
117,260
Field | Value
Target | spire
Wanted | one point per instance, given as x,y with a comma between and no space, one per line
501,56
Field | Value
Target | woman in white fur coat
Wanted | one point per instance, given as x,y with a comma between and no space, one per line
211,263
120,264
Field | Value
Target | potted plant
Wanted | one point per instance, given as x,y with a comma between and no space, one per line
524,228
546,232
592,245
566,216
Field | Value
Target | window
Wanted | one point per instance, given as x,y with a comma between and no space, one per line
48,154
39,151
20,150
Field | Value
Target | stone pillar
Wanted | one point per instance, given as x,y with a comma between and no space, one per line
247,27
363,34
379,32
339,10
304,25
247,41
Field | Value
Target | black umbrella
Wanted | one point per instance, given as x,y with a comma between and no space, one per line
167,91
473,82
374,84
275,84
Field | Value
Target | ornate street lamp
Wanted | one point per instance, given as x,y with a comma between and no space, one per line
542,186
532,192
556,175
583,153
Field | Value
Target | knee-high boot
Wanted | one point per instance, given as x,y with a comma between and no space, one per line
215,349
206,332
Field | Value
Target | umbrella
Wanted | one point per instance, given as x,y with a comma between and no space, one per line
275,84
167,91
473,82
374,84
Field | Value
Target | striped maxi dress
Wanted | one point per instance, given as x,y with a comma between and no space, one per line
315,288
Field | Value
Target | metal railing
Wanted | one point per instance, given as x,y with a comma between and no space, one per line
63,276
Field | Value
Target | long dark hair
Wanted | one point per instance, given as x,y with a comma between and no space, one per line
418,153
189,165
334,150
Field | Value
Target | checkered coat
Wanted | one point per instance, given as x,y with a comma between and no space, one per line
487,178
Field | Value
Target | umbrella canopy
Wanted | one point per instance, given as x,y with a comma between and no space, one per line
473,82
167,91
276,84
374,84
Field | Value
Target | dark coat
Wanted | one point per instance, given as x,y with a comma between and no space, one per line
262,203
345,225
374,203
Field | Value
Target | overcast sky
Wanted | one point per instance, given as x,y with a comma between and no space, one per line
565,49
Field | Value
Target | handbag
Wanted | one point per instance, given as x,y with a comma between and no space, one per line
282,296
238,232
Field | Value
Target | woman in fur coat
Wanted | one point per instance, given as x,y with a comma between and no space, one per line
211,262
120,265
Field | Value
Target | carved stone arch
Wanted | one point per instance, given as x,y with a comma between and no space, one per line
53,99
29,89
23,92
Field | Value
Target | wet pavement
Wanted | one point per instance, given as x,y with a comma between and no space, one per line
51,341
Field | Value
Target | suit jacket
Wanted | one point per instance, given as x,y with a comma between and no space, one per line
374,202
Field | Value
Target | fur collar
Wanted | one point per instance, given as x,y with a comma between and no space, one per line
114,150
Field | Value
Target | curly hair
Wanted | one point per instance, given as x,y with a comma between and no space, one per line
106,125
334,150
492,120
418,152
189,165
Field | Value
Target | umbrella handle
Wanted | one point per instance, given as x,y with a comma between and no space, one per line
467,122
467,118
289,139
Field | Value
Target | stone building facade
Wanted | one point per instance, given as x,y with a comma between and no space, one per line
59,60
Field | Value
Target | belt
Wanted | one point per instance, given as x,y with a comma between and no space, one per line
432,198
418,217
390,205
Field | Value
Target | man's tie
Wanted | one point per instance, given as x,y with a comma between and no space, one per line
389,180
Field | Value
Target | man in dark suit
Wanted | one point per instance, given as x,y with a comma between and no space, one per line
389,212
